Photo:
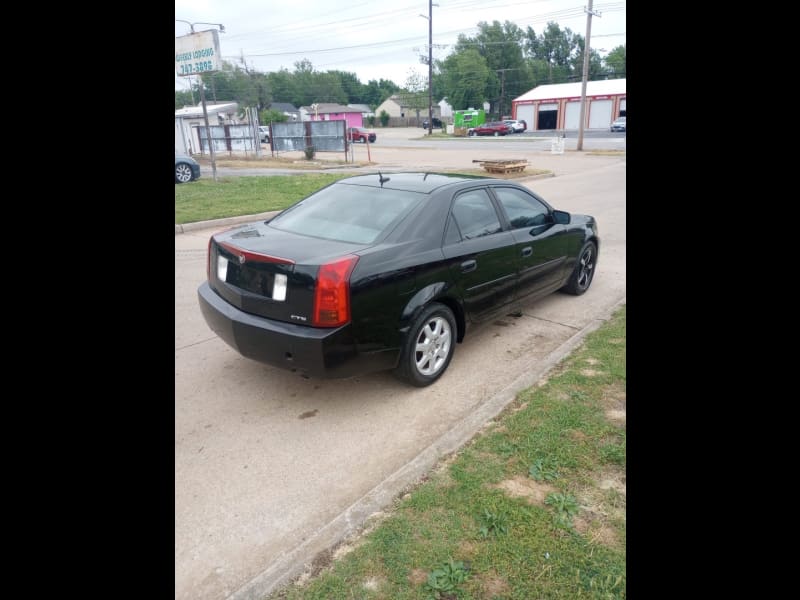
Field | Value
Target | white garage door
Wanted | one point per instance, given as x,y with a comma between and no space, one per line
573,117
525,112
600,114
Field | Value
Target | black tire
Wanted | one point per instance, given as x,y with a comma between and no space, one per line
429,346
183,173
583,274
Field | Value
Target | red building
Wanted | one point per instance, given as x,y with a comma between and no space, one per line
558,105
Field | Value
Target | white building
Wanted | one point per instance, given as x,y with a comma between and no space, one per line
189,118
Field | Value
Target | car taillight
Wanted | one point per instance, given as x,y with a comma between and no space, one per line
332,293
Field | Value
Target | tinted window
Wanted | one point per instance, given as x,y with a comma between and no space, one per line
475,214
523,210
348,213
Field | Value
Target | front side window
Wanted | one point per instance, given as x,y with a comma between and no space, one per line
523,210
475,215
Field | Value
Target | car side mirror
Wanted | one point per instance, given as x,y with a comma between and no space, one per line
561,217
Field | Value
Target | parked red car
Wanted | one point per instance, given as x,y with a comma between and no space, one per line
359,134
494,128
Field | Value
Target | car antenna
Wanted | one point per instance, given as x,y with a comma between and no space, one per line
382,179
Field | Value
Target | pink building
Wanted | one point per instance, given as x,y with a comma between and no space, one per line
333,112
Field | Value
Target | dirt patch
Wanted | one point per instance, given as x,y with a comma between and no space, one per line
494,586
591,372
373,583
521,487
578,436
596,532
614,400
418,577
467,549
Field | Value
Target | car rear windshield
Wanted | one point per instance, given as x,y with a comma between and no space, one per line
348,213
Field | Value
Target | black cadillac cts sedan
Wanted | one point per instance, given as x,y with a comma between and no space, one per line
379,272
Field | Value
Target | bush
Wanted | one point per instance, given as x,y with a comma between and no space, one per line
384,117
310,152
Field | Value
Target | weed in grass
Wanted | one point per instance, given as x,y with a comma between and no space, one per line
613,453
493,522
566,507
444,582
605,588
543,470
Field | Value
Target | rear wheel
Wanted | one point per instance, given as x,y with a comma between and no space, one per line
582,276
429,346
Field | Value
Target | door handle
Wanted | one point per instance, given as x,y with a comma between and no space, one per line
527,251
468,266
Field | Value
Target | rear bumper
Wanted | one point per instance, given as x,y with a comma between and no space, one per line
324,353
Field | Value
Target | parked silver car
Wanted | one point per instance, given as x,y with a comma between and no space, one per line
516,126
618,125
263,132
186,168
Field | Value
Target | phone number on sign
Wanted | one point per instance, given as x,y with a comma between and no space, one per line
198,67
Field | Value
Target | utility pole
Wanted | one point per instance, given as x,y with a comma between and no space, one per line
586,51
502,90
430,67
208,128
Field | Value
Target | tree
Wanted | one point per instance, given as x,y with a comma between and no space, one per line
271,116
501,46
310,86
352,86
596,70
236,84
378,91
183,98
615,62
465,78
552,54
282,84
415,93
384,118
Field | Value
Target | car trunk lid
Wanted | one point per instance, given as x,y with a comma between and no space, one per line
244,268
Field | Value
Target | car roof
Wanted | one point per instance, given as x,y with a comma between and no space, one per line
412,182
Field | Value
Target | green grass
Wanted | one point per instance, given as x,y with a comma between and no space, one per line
204,199
560,447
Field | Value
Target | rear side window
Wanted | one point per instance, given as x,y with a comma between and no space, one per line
475,215
348,213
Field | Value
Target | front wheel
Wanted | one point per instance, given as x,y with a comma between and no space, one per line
183,173
582,276
429,346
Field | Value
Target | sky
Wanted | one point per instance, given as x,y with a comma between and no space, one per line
376,40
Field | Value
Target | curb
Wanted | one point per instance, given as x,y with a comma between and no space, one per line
223,222
351,522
